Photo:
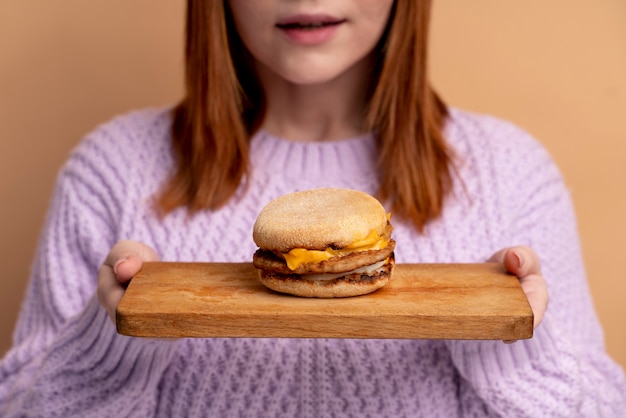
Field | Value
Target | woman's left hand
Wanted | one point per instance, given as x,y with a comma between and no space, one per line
524,263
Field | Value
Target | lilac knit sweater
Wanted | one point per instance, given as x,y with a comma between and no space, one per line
67,359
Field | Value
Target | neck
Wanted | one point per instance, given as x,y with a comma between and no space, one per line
328,111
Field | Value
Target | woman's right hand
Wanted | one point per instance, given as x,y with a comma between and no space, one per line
123,262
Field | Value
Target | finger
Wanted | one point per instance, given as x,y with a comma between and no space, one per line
126,258
521,261
109,290
536,290
123,261
524,262
126,268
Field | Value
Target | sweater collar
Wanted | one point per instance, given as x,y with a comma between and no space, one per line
352,157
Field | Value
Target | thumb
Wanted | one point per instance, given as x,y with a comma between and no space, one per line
127,257
520,260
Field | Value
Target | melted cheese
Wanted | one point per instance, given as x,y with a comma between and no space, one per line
299,256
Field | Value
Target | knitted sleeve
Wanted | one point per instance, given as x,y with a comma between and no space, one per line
67,357
564,369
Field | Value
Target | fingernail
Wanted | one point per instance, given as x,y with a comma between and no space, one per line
117,264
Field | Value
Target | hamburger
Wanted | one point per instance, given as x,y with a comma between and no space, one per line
324,243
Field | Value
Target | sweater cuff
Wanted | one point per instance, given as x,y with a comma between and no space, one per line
92,340
89,369
480,361
541,372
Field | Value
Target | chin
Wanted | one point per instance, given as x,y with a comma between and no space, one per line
320,71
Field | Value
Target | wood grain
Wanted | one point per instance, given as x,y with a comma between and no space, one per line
425,301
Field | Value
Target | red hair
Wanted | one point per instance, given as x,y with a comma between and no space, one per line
224,105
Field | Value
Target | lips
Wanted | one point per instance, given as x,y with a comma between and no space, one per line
308,22
309,29
304,26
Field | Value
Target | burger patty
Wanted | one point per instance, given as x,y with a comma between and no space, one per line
383,271
268,261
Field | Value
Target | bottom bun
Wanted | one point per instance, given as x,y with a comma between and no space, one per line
354,284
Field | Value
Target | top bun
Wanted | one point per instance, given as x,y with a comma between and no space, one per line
317,219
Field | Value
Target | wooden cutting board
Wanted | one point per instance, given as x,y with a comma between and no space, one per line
426,301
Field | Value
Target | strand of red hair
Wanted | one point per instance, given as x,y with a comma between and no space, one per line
415,161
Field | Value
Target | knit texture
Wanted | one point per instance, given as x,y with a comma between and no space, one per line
68,361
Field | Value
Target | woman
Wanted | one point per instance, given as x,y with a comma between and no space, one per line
284,96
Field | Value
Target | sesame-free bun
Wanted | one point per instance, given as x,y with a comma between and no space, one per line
317,219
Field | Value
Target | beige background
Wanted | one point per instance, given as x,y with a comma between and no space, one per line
557,68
